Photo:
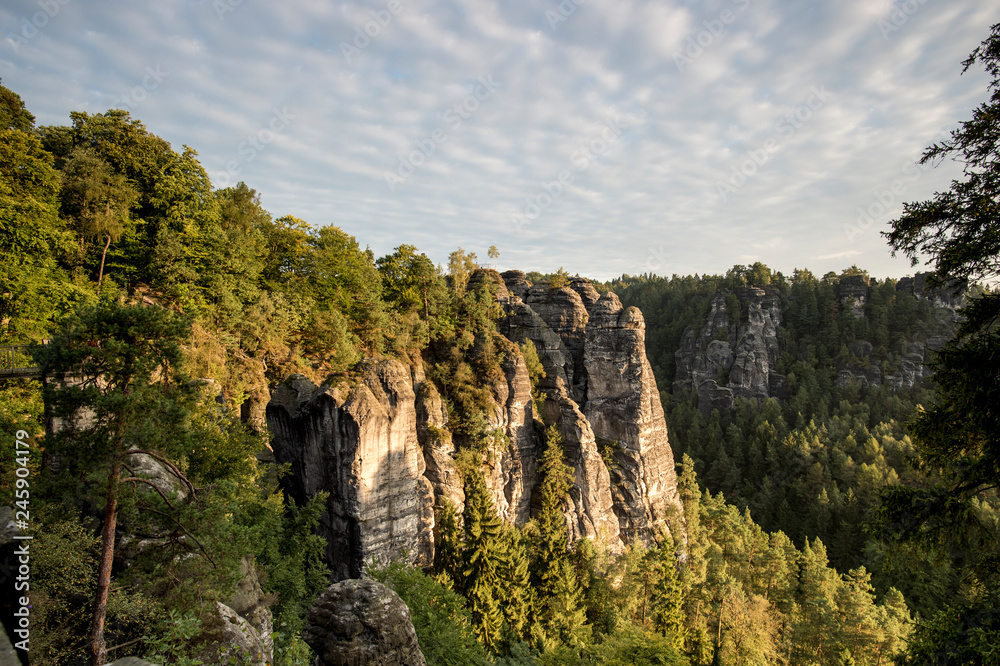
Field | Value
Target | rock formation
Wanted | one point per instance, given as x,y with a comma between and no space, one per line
623,406
735,355
361,623
732,357
951,295
853,293
380,444
232,639
600,391
358,441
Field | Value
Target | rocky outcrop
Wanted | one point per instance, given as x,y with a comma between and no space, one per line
358,441
145,466
492,279
591,512
859,366
950,295
361,623
231,639
564,313
623,406
251,604
853,293
733,355
600,391
438,446
516,282
381,444
513,476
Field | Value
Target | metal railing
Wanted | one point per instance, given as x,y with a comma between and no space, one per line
16,361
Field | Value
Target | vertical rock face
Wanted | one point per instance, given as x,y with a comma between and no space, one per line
853,292
731,357
358,441
564,313
381,446
950,296
591,513
437,446
513,476
623,406
600,391
757,349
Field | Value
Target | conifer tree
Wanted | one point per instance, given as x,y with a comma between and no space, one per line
515,594
668,597
115,383
448,545
560,615
482,558
817,591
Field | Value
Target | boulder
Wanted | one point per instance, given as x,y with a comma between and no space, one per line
250,603
231,639
361,622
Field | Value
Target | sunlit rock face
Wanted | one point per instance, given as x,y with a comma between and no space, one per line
623,406
600,391
358,441
381,446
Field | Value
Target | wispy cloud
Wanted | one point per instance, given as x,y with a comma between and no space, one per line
648,198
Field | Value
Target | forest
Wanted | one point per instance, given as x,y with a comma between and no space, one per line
840,522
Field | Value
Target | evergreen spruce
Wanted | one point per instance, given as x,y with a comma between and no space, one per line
482,558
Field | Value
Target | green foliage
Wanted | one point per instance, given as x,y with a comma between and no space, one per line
460,267
21,408
958,436
482,557
173,645
747,577
440,619
966,633
13,114
560,615
36,289
559,279
536,371
629,647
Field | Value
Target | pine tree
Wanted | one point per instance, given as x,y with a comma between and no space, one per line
128,396
482,558
516,595
817,591
448,545
560,616
668,597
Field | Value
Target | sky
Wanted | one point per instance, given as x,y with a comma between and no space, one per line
606,137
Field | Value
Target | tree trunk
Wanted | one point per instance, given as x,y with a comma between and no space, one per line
98,648
100,275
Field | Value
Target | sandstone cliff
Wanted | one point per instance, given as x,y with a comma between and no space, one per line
380,444
358,441
734,353
600,391
733,356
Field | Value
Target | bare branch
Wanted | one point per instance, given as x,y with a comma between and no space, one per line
136,479
170,466
185,530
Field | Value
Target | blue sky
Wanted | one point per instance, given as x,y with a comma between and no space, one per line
603,136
